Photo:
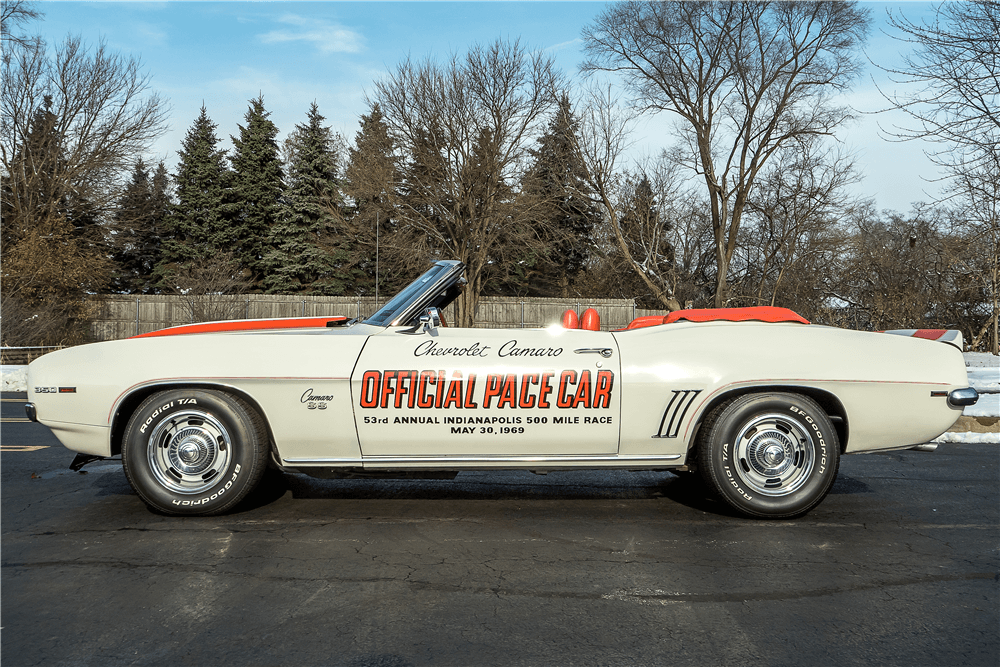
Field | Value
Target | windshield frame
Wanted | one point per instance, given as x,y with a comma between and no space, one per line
415,297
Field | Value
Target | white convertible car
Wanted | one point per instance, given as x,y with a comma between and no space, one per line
758,401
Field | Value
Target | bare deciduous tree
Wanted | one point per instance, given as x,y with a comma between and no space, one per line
103,112
464,130
792,228
955,68
639,206
899,271
603,137
47,275
743,78
71,125
955,71
648,206
212,288
16,14
976,214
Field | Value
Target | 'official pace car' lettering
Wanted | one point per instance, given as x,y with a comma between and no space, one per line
435,389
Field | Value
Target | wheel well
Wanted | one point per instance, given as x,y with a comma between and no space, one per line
129,404
830,404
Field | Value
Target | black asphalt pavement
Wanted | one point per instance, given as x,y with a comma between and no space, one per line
898,566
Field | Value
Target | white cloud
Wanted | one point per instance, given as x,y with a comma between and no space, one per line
150,34
563,46
325,36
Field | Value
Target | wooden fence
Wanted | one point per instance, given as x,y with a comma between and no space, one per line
124,316
21,356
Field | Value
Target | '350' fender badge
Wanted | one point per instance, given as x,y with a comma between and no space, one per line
314,401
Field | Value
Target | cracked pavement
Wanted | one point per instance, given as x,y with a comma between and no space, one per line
898,566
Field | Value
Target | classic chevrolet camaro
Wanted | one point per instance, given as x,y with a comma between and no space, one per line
757,401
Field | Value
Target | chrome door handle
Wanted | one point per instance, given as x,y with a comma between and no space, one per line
605,352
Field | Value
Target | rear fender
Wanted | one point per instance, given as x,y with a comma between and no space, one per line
830,403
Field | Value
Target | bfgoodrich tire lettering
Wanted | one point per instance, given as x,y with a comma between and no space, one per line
192,451
771,455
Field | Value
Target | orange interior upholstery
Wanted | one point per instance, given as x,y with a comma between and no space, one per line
591,320
570,320
645,321
755,313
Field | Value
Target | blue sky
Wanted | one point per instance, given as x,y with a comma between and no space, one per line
224,53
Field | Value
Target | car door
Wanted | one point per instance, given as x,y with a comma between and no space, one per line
453,392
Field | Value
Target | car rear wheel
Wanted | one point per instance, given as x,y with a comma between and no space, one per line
193,451
771,455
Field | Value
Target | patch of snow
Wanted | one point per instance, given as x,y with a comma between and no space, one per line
988,405
15,378
984,380
984,376
981,360
969,438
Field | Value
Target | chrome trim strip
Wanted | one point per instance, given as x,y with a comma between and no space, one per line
563,460
605,352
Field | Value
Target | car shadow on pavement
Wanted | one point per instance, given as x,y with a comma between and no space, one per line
108,481
686,489
689,490
493,485
847,485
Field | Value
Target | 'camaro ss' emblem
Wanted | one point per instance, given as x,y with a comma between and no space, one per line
314,401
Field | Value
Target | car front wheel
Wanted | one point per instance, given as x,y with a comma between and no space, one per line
771,455
194,451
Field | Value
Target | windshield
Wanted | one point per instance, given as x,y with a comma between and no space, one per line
410,294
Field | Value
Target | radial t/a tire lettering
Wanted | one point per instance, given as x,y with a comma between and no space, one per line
771,455
194,451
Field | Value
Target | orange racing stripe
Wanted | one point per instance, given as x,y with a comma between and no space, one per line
244,325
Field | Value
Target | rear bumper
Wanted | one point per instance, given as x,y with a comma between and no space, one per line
959,398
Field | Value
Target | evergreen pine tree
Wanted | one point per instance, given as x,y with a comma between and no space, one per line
258,186
555,181
640,216
308,253
139,221
53,247
200,222
373,182
33,191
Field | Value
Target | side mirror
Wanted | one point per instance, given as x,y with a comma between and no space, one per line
426,323
434,316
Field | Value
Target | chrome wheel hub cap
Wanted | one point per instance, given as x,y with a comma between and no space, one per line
188,450
774,454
